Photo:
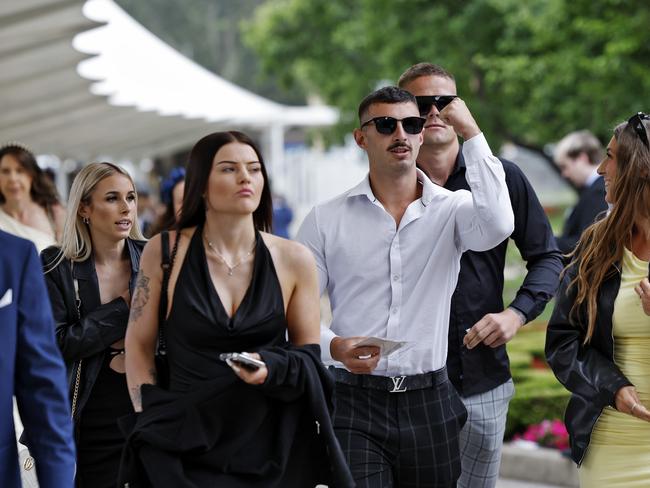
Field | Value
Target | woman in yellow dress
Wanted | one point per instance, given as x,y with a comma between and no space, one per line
598,338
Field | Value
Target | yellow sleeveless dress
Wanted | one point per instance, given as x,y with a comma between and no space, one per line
619,452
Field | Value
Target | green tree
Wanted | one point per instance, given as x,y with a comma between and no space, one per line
530,71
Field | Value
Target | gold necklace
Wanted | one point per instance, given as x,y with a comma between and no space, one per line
231,268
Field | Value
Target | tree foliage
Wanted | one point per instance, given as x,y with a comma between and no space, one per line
530,71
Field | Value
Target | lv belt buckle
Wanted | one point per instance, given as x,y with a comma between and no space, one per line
398,384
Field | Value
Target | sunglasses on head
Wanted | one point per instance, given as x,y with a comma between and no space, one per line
387,125
440,101
636,121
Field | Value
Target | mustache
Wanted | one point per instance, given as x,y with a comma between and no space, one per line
395,145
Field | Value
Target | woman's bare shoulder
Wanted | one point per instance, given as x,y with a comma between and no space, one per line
292,253
153,248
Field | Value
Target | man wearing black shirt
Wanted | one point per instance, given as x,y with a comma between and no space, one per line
479,326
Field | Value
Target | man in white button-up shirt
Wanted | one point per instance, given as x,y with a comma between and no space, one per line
381,249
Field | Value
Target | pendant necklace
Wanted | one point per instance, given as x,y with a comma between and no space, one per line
230,267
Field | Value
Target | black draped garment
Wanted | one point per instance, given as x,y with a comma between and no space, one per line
213,430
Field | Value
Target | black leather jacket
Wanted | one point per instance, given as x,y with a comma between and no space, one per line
588,372
101,324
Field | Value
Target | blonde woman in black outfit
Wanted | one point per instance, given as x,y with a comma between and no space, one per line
90,279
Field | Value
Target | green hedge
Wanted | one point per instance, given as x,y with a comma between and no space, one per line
538,394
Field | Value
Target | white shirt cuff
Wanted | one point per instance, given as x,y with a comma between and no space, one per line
326,337
476,148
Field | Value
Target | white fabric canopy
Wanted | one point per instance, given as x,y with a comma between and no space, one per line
132,95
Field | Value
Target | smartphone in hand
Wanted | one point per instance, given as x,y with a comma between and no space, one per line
243,360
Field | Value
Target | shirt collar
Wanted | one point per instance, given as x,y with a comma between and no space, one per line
460,161
363,188
591,179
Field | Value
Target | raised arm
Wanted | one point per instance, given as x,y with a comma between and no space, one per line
142,330
484,217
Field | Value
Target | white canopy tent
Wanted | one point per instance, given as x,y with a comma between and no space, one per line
117,90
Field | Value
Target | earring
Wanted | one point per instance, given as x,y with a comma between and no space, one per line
85,220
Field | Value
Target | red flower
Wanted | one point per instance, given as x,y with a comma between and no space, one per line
548,433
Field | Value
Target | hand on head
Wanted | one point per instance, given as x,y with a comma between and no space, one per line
460,118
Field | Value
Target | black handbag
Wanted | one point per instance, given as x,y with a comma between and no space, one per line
166,263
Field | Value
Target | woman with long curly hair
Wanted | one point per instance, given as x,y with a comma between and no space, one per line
598,338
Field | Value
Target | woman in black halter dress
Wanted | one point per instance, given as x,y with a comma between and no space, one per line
233,288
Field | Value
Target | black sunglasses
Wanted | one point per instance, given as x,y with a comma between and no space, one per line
636,121
440,101
387,125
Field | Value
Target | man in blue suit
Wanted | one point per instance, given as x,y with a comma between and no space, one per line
31,368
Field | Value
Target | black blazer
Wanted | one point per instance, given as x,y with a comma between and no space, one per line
591,203
588,372
101,324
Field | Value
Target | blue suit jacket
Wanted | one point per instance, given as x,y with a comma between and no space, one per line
31,368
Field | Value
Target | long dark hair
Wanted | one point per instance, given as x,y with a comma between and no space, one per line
199,167
42,191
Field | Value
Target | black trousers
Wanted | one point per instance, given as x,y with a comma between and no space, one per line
404,439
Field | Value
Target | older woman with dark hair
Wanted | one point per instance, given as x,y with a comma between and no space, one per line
29,205
598,338
233,288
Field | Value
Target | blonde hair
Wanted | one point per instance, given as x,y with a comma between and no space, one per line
601,245
578,142
76,243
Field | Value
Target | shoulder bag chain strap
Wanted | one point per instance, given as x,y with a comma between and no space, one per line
77,381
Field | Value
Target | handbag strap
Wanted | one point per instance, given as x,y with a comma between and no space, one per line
77,381
166,263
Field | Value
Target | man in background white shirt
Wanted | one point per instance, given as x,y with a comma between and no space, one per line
381,248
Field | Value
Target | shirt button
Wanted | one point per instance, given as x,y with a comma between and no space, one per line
394,310
395,277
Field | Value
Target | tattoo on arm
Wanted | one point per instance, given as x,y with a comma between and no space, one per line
136,391
140,296
136,398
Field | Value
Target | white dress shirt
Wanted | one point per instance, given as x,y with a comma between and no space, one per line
396,283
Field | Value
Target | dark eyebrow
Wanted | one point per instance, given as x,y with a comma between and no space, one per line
235,162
